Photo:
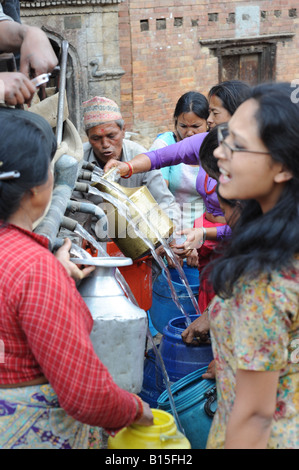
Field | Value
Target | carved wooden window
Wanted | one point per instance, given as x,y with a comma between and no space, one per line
253,64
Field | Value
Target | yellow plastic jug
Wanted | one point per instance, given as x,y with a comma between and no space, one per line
163,434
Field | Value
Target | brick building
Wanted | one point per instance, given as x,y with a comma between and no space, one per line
168,47
146,53
91,29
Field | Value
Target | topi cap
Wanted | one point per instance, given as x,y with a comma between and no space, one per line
99,110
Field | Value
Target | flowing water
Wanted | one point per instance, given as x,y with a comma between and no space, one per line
79,252
113,177
122,209
120,204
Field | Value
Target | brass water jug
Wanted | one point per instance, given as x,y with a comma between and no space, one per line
146,214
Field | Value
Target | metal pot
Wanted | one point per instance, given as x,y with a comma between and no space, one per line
120,327
123,233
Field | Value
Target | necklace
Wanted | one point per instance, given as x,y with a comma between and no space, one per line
206,189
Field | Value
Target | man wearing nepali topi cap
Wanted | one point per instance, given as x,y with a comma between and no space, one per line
105,130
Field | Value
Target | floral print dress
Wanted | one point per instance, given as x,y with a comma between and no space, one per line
257,329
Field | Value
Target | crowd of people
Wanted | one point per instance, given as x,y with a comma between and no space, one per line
240,145
252,315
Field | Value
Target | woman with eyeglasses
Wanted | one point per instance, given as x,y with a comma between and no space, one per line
254,318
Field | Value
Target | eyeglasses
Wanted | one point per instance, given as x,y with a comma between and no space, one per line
223,133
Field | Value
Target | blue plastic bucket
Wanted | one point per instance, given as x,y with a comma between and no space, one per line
179,358
195,402
163,308
149,392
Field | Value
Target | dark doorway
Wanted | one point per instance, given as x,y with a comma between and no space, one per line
253,64
243,67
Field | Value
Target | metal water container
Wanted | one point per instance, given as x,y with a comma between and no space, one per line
143,210
120,327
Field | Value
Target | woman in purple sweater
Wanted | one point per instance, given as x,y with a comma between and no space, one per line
224,99
186,151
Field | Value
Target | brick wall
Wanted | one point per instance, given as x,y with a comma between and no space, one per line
163,58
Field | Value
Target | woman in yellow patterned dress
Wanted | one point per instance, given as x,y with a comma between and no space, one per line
254,318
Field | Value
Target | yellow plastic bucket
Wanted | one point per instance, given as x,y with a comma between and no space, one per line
163,434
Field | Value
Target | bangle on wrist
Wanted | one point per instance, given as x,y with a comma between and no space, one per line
128,175
204,235
139,405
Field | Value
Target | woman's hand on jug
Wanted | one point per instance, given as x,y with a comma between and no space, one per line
63,256
139,164
147,418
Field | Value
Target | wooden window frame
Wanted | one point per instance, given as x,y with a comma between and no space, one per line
265,45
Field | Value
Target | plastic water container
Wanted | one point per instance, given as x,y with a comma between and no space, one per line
195,403
138,276
163,434
149,392
163,308
179,358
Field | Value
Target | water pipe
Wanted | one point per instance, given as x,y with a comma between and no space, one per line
88,166
90,208
68,223
93,169
66,172
85,175
82,187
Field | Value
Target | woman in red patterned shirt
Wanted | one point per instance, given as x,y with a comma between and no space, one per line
54,390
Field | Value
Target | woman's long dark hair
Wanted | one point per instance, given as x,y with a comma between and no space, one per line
27,146
232,93
261,243
206,154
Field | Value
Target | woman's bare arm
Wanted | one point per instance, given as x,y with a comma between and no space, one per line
249,424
